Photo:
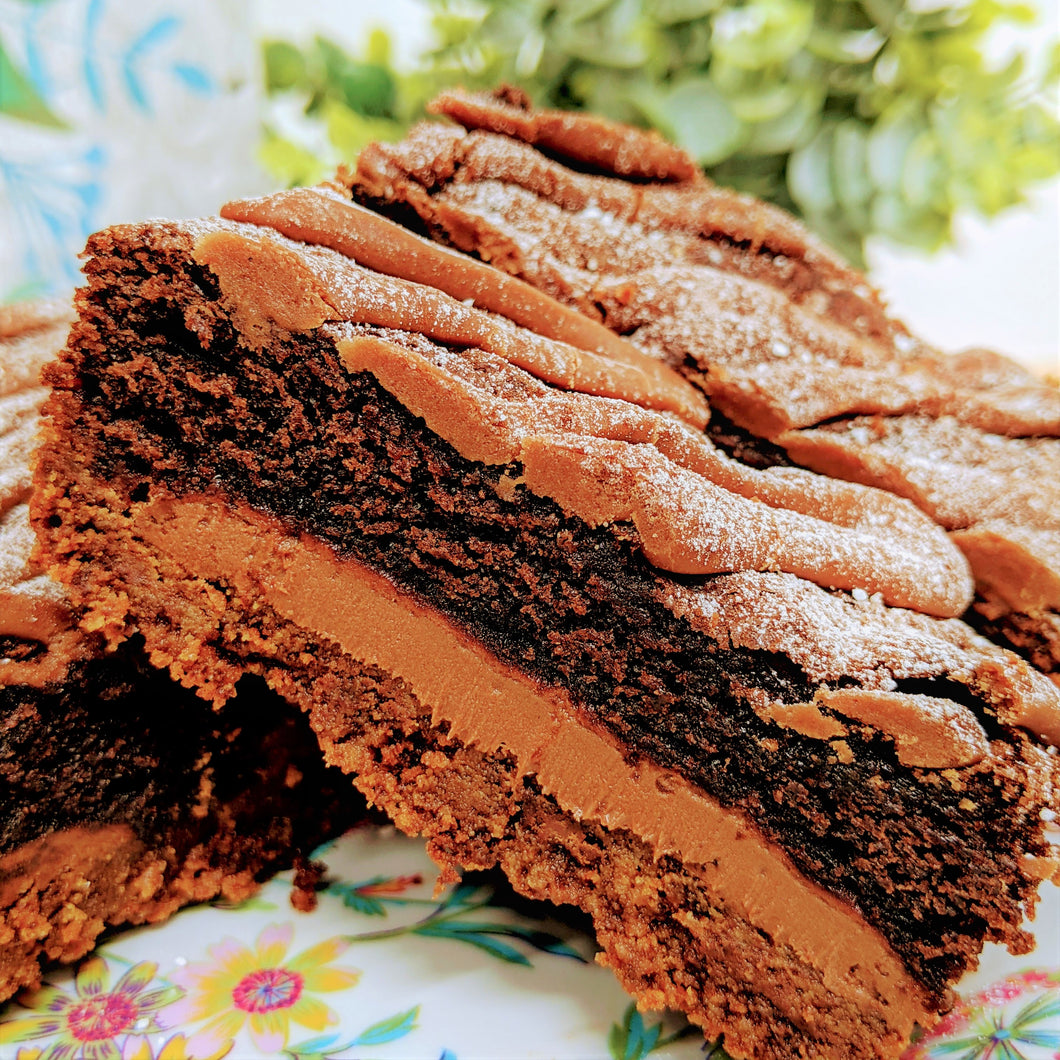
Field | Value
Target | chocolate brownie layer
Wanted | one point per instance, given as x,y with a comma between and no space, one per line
787,341
491,590
122,795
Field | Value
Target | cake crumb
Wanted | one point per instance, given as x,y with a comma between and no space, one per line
308,879
843,751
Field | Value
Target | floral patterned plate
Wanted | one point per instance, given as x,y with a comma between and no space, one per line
384,969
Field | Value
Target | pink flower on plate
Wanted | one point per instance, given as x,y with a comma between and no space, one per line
261,989
91,1021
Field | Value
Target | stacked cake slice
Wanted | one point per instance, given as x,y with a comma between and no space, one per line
544,605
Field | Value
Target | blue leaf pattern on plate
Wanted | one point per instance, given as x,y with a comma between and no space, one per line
54,203
90,62
138,55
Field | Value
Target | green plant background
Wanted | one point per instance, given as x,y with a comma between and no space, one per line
865,117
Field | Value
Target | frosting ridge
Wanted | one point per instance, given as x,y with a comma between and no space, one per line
697,511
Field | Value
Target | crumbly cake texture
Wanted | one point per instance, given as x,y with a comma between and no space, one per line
789,343
543,620
124,796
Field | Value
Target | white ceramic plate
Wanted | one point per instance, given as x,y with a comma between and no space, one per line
383,969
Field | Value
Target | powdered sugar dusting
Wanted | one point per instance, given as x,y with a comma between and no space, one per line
779,334
829,635
696,511
956,472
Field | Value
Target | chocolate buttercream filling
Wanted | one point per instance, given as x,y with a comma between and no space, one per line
482,701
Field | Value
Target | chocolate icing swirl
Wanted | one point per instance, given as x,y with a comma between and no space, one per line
594,141
785,339
696,510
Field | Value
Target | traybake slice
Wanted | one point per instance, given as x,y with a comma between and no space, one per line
800,360
543,620
122,796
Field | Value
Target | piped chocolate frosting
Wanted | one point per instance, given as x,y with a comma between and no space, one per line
696,510
595,442
788,342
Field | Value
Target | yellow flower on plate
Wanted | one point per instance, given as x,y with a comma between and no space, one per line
176,1048
261,989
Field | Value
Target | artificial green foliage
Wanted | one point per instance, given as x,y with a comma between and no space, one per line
349,101
867,117
864,116
19,99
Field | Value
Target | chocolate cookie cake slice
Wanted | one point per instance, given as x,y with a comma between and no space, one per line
794,349
122,796
541,618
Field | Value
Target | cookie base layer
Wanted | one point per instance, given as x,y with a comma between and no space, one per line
57,895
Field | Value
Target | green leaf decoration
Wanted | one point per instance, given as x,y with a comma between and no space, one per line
325,848
285,66
632,1039
19,99
315,1048
480,935
390,1029
540,940
787,131
845,45
810,174
695,115
758,35
762,103
366,905
671,12
716,1052
326,1045
371,897
349,130
463,894
290,163
365,87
